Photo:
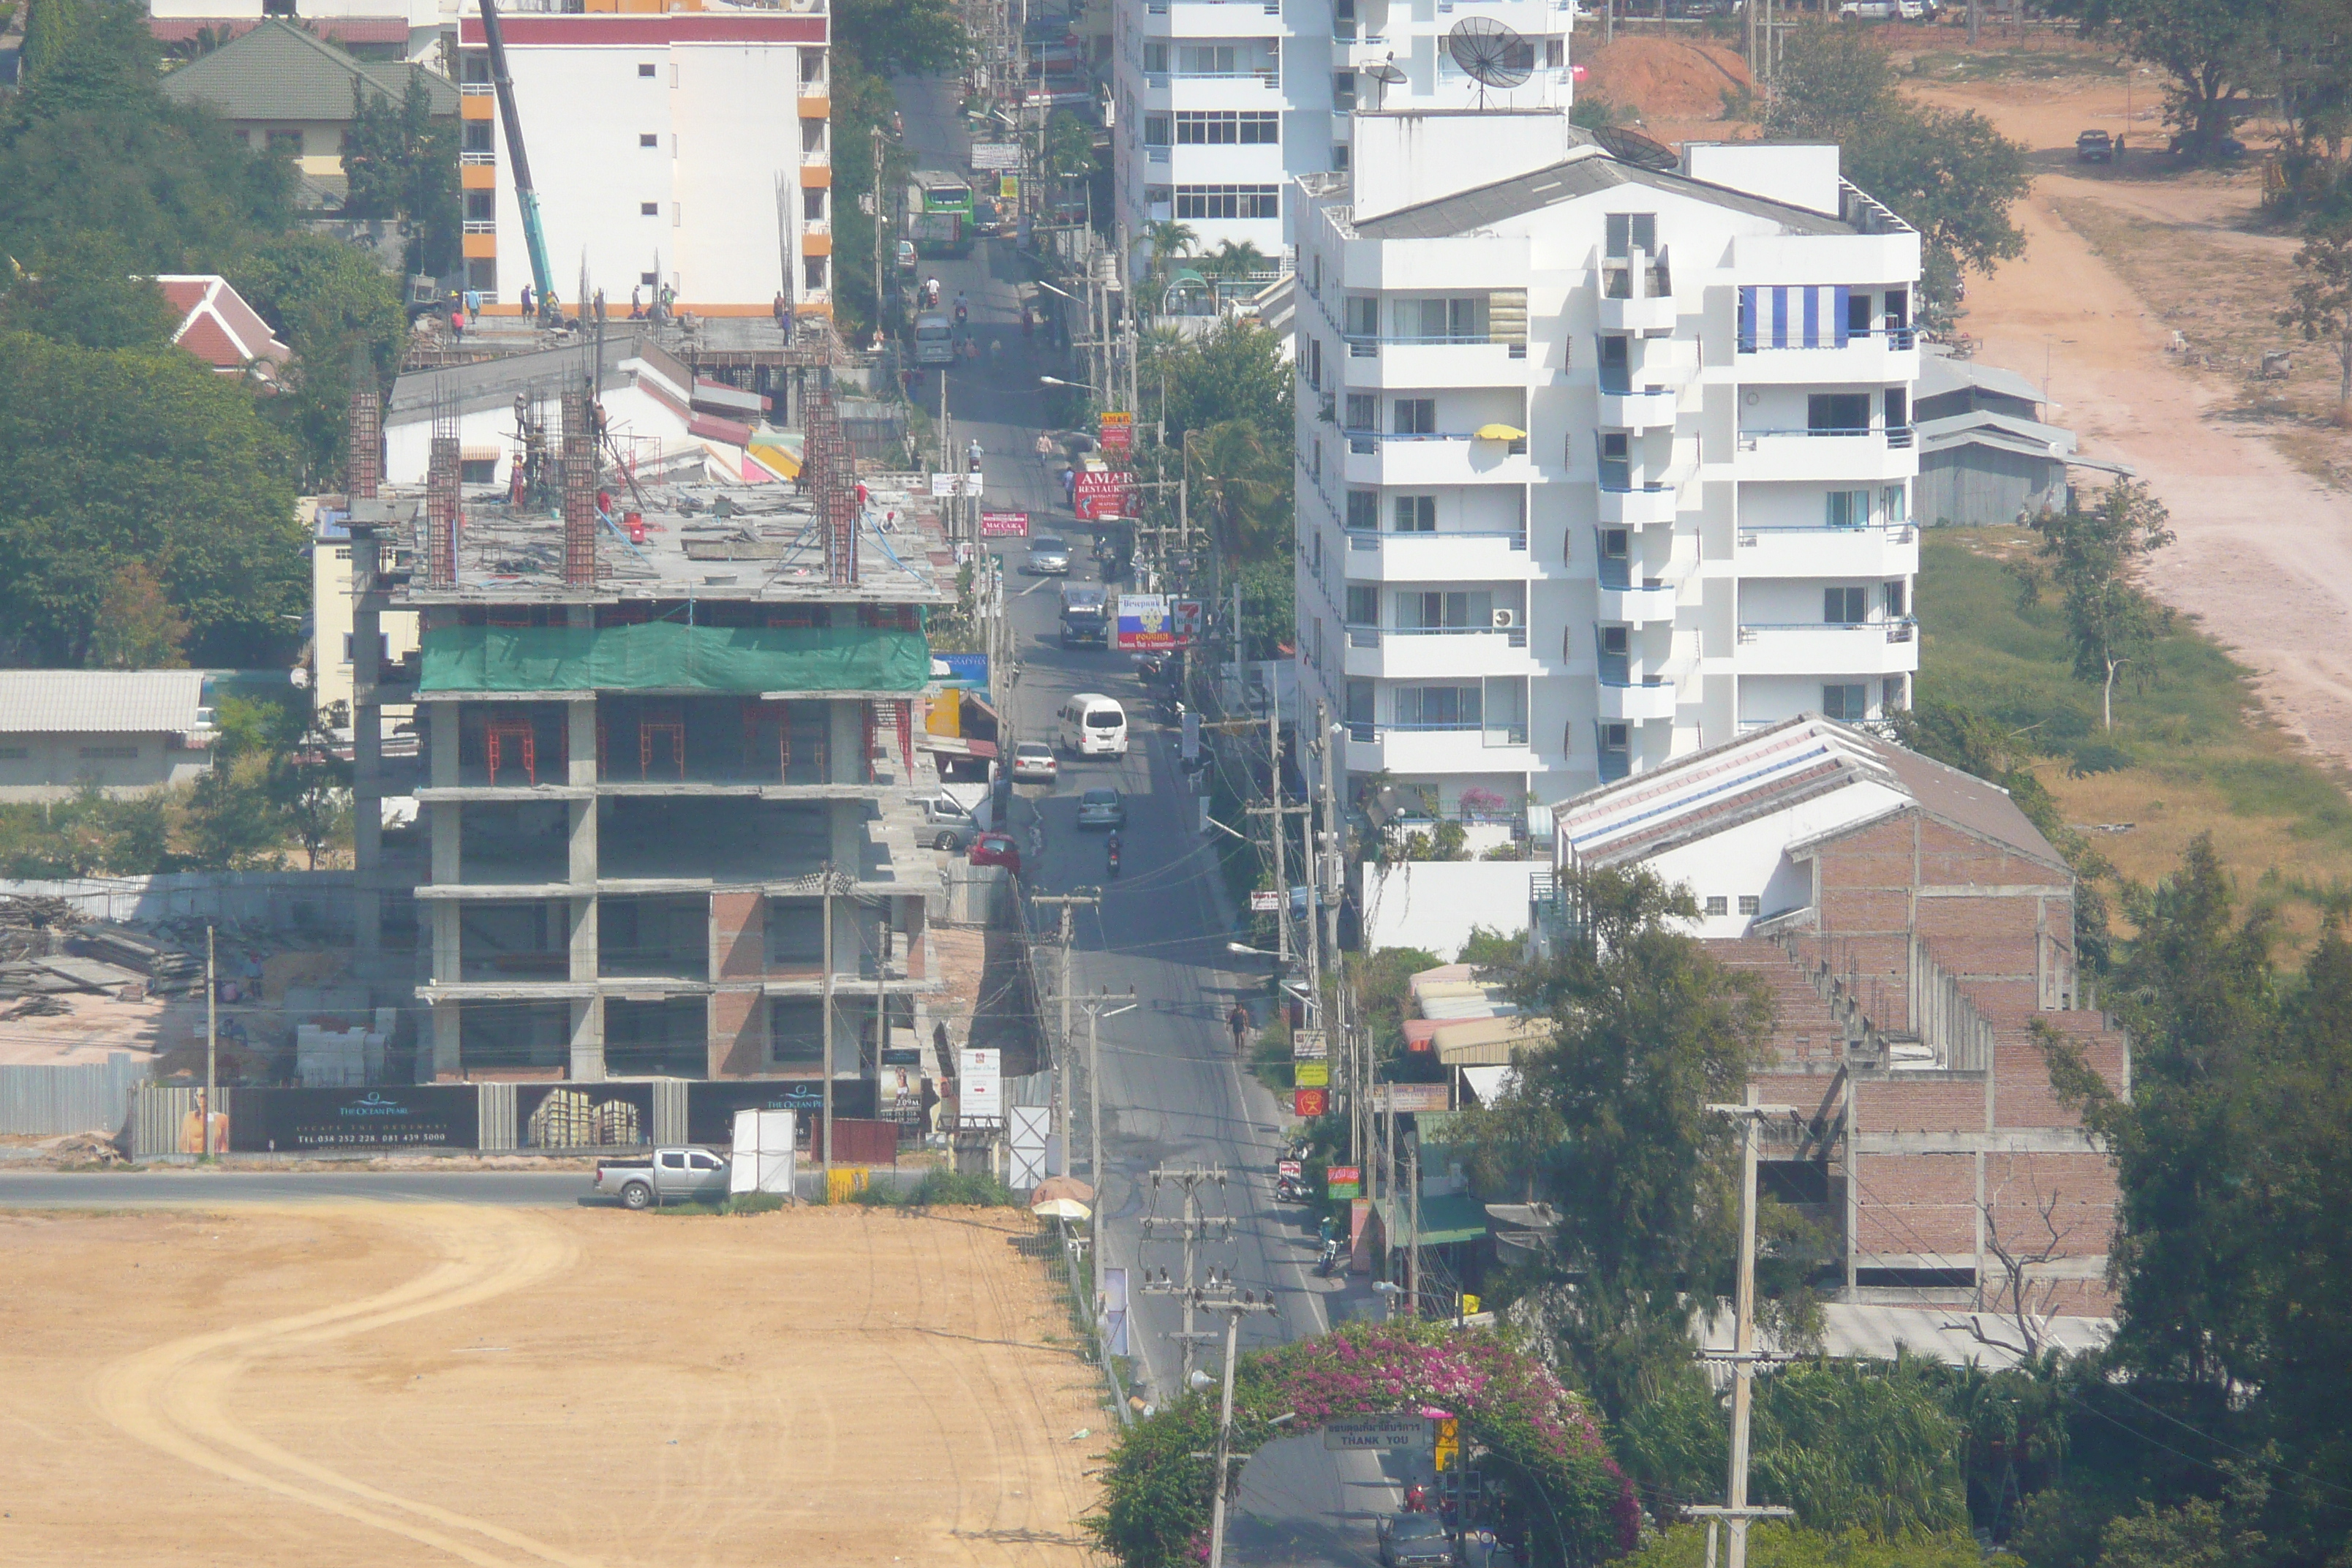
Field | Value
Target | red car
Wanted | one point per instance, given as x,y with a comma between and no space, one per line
997,849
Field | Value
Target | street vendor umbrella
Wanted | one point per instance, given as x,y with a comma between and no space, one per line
1061,1208
1062,1187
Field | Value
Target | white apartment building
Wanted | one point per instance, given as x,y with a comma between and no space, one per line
1599,464
691,148
1221,104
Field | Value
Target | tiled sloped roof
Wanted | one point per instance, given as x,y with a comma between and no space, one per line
217,326
281,71
1586,174
1772,770
100,701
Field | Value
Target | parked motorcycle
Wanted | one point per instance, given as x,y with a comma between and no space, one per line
1330,1259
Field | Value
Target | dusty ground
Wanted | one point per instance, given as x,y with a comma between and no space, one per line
2265,557
393,1385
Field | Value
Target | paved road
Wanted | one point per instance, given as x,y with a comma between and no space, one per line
1174,1094
59,1189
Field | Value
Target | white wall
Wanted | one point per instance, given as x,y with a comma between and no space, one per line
1432,904
53,767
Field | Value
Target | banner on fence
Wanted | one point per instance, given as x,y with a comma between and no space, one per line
394,1116
588,1116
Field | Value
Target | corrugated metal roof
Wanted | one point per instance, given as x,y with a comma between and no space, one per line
2004,430
1589,174
100,701
1772,770
281,71
1940,373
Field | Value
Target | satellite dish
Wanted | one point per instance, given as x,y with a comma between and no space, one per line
1490,54
1388,74
1632,147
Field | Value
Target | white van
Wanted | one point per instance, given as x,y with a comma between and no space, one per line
1094,726
934,340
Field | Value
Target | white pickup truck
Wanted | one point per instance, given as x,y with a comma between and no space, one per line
663,1176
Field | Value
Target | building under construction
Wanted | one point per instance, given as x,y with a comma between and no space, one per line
665,772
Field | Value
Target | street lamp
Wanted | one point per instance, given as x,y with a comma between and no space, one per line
1247,951
1058,380
1049,288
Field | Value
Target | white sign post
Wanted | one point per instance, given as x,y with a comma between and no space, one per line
762,1156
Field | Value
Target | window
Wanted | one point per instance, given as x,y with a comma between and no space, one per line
1458,321
1857,313
1318,660
1898,308
1616,544
1892,698
1228,201
1416,416
1751,904
1315,278
643,70
482,274
1208,60
1437,609
1615,371
1160,199
1314,364
812,271
478,136
477,471
1359,702
1718,904
811,67
1416,514
1340,156
1898,408
1838,413
1155,130
649,279
1359,315
650,209
1849,509
478,206
1226,127
474,65
673,1159
1437,706
1615,737
1898,599
1343,92
15,754
1630,232
1614,641
1845,606
1363,510
813,204
1848,704
289,143
1318,469
1363,605
1554,53
1893,505
702,1162
1155,58
1616,462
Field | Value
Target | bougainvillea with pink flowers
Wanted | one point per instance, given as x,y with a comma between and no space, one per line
1538,1438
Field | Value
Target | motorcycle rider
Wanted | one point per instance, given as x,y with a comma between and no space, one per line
1330,1257
1113,847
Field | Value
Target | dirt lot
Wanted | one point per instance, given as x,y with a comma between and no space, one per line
383,1384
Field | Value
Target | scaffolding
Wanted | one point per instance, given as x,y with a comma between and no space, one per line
365,464
442,473
832,482
582,420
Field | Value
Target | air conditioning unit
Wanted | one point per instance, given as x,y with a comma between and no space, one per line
1506,619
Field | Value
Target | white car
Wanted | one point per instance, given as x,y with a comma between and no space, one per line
1033,763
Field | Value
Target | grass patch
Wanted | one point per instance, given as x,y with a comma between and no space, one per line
2191,750
741,1202
2044,64
938,1189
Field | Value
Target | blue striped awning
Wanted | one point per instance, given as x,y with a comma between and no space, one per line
1792,316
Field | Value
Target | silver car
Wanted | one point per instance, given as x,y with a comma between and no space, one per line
1102,808
1049,557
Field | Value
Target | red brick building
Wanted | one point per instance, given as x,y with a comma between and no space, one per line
1915,929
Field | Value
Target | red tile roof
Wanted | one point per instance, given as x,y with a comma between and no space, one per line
218,327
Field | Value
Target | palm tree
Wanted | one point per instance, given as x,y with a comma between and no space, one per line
1243,490
1169,239
1233,260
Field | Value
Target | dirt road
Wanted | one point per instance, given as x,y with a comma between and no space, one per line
2265,556
429,1383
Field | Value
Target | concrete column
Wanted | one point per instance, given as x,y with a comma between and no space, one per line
446,833
441,726
447,1060
588,1040
367,761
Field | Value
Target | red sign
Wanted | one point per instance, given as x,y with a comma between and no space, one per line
1309,1101
1118,433
998,525
1105,492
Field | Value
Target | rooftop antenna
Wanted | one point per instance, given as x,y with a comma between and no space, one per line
1387,75
1490,54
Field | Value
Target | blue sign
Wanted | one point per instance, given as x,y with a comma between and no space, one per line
962,668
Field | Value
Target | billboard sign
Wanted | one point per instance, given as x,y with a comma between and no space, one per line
1102,493
997,156
1117,436
711,1104
1008,188
1311,1075
1188,620
961,669
1345,1181
1145,624
1005,525
1411,1096
1403,1432
944,485
980,1087
1310,1045
1264,900
1309,1102
419,1116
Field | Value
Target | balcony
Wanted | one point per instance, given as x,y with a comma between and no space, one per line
1885,356
1448,458
1634,296
1627,408
1829,551
1435,363
1864,648
1437,652
1830,453
1633,601
1461,749
1625,505
1635,701
1437,557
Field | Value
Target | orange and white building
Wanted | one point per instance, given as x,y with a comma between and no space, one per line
688,148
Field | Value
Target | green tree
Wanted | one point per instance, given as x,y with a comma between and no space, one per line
109,457
1069,146
86,289
341,313
138,626
1234,371
402,162
873,40
2219,58
2321,306
1240,486
1771,1545
2092,558
232,824
1649,1031
900,37
311,788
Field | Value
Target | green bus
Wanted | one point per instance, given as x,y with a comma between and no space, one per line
940,192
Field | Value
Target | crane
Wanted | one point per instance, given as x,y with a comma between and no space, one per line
534,237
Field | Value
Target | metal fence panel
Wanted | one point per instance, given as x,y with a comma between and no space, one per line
86,1097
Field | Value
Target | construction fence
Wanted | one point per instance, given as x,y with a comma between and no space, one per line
316,902
91,1097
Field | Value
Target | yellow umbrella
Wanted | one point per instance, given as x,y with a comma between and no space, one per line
1497,432
1061,1208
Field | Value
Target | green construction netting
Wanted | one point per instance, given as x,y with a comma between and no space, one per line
673,655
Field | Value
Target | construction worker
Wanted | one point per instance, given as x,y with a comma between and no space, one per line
599,307
473,306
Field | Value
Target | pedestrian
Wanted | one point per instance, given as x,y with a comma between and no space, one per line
526,301
1070,486
1238,1021
1028,321
636,302
1045,448
473,306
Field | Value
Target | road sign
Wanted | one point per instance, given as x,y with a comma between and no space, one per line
1376,1434
1011,524
1264,900
1311,1075
1294,1169
1310,1045
1309,1102
1448,1447
1186,618
1345,1181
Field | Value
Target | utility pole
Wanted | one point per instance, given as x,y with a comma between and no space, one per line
1235,1312
1274,793
1069,903
1744,1356
212,1047
1099,1007
1356,1081
881,310
1191,1229
826,1027
1413,1223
